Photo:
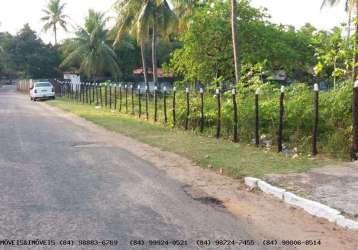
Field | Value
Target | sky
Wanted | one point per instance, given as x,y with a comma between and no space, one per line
15,13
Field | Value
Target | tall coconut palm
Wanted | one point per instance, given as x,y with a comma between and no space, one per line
54,17
149,15
235,43
127,16
352,6
184,10
92,49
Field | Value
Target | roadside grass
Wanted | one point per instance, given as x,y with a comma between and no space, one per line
236,160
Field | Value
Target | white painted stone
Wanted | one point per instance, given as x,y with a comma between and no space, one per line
269,189
312,207
251,182
346,223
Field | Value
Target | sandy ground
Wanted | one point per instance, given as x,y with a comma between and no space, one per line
266,216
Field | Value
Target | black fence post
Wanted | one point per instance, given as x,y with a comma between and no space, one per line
139,102
235,127
354,147
316,117
218,126
86,92
110,95
202,110
97,99
93,92
120,97
88,97
155,104
77,92
115,96
69,90
90,93
280,127
257,118
83,93
165,104
174,106
100,94
82,98
87,101
65,88
126,90
106,95
146,102
187,108
132,97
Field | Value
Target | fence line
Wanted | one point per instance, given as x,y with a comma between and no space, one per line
192,109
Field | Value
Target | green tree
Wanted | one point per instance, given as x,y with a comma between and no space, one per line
185,10
146,16
235,44
207,55
127,22
6,63
29,57
54,17
91,48
332,54
352,5
130,55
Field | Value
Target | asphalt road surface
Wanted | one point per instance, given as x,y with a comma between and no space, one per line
56,184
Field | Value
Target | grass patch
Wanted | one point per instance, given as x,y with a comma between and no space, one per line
236,160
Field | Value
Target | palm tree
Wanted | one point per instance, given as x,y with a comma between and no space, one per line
184,10
235,43
148,15
54,17
127,16
92,49
352,5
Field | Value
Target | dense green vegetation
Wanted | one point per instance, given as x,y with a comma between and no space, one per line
26,56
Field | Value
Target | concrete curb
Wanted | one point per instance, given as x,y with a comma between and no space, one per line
269,189
251,182
312,207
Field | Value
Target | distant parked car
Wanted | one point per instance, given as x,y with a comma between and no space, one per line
42,90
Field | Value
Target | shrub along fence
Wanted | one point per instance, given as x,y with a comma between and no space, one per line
292,119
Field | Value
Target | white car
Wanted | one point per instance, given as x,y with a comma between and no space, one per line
42,90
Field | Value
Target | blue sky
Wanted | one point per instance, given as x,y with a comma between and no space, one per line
15,13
